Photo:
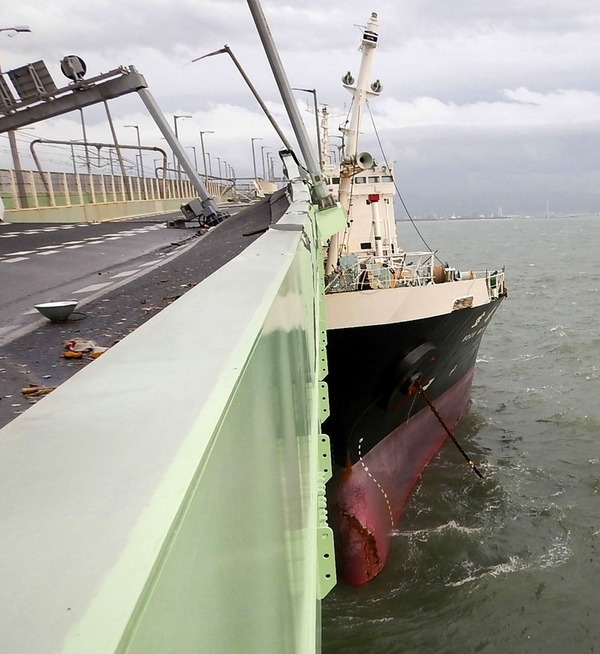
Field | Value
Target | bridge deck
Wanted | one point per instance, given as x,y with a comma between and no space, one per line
37,357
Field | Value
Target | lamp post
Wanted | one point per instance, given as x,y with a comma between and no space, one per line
272,160
140,167
314,93
209,164
219,162
193,147
254,138
268,165
227,49
175,119
202,133
12,139
262,158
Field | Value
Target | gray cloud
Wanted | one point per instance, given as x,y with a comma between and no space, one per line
485,104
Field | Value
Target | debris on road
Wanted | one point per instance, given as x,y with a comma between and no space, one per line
77,347
37,391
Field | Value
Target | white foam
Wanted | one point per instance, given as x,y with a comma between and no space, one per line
560,552
452,525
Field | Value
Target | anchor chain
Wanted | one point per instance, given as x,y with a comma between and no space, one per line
421,390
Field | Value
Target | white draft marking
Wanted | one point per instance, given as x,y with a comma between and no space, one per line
366,469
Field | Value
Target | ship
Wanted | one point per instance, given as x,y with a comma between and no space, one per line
403,333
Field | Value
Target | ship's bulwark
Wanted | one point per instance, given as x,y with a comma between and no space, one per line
381,439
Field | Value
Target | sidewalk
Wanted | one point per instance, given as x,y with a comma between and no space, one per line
37,358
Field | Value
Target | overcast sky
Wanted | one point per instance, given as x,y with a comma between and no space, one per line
485,104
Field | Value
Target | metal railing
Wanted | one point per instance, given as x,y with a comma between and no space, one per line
357,272
61,189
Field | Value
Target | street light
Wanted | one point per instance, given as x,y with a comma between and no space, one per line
193,147
12,139
254,138
219,162
175,119
227,49
140,167
267,166
314,93
202,133
262,158
271,167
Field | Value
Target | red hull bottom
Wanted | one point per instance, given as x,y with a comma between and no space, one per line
366,499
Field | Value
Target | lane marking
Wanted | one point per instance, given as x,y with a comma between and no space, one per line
43,254
16,254
15,259
126,273
93,287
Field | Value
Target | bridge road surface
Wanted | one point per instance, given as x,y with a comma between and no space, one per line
120,282
46,263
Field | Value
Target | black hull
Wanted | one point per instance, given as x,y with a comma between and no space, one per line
370,367
382,431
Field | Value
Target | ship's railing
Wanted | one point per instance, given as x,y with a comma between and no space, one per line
358,272
494,279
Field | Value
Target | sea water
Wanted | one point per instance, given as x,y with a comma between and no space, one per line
510,563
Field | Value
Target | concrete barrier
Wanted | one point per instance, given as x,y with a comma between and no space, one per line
169,496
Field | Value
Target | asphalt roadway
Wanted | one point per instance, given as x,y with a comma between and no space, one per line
36,358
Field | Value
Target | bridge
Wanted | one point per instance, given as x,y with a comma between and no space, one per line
172,498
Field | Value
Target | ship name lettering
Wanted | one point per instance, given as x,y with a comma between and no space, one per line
468,337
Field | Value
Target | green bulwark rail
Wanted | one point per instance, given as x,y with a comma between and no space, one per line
170,496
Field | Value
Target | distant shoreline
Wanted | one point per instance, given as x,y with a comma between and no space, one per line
510,216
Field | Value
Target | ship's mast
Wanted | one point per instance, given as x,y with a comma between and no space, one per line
362,90
352,161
